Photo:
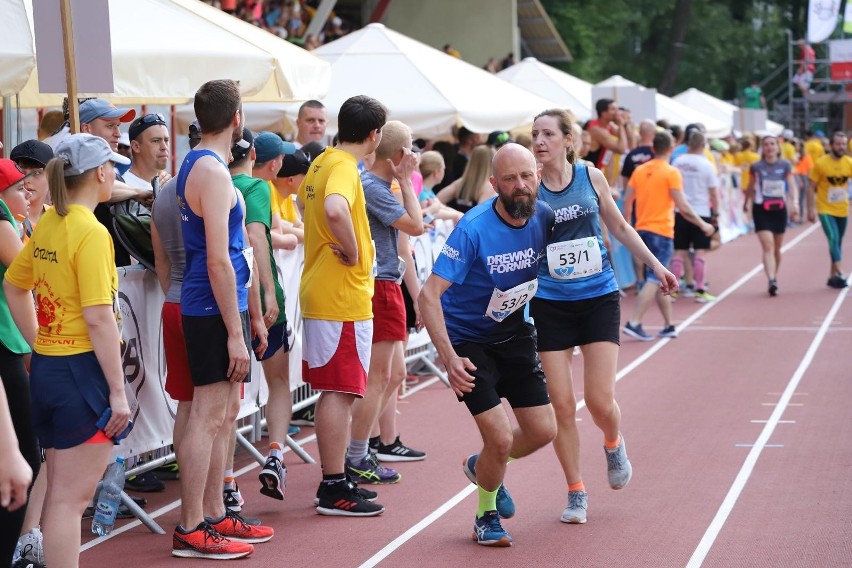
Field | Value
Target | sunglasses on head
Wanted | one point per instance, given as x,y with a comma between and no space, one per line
153,118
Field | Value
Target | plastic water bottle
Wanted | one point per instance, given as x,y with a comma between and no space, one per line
109,499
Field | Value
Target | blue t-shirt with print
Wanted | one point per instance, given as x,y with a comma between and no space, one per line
484,254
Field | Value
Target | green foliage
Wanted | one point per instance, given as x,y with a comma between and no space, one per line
729,43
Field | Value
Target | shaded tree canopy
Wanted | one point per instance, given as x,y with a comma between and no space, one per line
726,44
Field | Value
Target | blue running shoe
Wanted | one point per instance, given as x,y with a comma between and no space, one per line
488,531
505,504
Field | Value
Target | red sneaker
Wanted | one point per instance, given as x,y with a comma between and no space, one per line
205,542
234,527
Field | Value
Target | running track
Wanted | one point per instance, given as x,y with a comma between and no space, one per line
738,430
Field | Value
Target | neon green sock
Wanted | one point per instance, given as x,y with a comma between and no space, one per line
487,501
510,460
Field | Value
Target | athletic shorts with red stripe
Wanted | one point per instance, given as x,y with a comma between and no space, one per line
336,355
388,312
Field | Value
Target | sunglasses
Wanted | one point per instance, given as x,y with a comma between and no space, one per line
153,118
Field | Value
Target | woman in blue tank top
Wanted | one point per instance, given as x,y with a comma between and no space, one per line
577,304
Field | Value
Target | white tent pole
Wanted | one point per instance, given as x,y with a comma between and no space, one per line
7,126
320,17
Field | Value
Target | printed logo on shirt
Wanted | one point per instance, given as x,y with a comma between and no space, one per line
44,254
512,261
451,253
837,180
569,213
309,192
50,311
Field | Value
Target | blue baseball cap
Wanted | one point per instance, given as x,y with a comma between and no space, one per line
100,108
268,146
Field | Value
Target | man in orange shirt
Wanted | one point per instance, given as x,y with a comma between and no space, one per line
657,188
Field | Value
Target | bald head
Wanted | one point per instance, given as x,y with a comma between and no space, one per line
647,129
515,177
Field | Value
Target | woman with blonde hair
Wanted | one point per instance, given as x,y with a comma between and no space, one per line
473,187
76,378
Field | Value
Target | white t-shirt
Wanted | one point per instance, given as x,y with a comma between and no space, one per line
698,178
133,207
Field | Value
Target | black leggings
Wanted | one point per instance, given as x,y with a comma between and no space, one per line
17,387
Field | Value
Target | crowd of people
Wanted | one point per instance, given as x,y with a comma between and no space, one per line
524,282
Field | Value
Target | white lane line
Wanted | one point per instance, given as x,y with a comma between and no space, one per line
410,533
416,529
175,504
779,422
745,472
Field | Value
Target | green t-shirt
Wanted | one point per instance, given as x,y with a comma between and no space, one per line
10,336
259,210
752,97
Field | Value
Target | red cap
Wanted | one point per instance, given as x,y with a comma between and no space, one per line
10,174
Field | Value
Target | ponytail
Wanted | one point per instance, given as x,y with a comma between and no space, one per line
571,155
59,184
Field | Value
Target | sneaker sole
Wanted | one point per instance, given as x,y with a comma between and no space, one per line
573,520
208,555
269,487
342,513
302,422
397,458
471,476
503,542
634,335
249,539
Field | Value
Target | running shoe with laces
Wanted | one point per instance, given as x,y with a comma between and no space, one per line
398,452
369,470
234,527
232,501
505,504
773,287
837,281
575,510
366,494
636,332
704,297
345,499
303,417
205,542
30,547
145,483
669,331
273,478
488,531
618,468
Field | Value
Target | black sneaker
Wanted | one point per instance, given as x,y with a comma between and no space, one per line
231,497
303,417
837,281
273,478
344,499
168,471
398,452
145,483
374,444
773,287
365,493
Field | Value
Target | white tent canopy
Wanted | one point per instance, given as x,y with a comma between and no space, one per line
421,86
562,88
16,45
673,111
717,108
163,50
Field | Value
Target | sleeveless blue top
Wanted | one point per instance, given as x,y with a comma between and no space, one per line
577,209
196,296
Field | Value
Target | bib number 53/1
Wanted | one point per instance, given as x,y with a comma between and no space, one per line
505,303
574,259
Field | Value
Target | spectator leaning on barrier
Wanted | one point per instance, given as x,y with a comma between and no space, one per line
338,327
215,308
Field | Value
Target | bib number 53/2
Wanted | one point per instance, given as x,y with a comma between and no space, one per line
505,303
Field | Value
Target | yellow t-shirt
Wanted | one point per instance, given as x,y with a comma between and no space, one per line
329,289
744,160
788,152
69,262
833,177
815,149
284,207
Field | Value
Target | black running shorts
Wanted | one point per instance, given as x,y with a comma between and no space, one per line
207,347
562,325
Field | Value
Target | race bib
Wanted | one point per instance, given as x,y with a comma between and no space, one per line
505,303
248,254
837,194
774,188
574,259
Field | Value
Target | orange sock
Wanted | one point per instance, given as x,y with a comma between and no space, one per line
576,486
275,446
612,445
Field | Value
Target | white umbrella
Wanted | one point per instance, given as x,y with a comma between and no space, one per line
719,109
163,50
566,90
422,86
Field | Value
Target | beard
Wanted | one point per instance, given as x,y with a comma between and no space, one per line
519,208
237,134
837,154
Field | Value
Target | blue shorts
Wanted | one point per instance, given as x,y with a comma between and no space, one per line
277,340
661,247
68,394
